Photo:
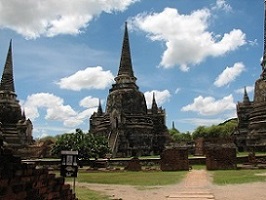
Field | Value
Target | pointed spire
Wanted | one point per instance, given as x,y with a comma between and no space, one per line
100,110
154,106
125,67
246,98
263,63
173,125
7,82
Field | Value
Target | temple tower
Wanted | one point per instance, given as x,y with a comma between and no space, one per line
251,132
130,127
15,128
256,137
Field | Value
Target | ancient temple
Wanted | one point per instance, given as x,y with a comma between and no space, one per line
131,128
251,131
16,130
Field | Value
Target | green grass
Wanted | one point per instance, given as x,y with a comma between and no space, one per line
83,193
141,178
138,179
223,177
198,167
240,154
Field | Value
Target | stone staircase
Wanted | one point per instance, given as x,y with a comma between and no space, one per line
112,141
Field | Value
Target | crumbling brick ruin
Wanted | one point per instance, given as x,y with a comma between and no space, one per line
221,157
174,159
133,165
21,181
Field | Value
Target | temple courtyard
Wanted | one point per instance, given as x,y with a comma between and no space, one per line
197,185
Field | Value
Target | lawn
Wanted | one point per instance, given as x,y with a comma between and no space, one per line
142,178
85,194
223,177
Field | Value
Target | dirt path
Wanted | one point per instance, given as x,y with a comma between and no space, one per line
197,186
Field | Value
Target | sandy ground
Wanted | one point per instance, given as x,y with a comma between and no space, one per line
196,182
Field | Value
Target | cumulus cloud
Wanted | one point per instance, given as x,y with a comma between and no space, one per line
56,109
186,37
35,18
222,5
89,102
90,78
210,106
160,97
229,74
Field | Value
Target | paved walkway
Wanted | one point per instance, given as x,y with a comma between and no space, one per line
196,186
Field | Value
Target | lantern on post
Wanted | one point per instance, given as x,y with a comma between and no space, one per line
69,163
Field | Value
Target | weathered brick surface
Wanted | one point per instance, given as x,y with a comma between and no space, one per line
199,147
174,159
219,157
133,165
20,181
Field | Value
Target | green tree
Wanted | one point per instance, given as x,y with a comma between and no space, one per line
200,131
222,130
86,144
177,136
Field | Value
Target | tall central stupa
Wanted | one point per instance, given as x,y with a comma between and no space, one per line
131,128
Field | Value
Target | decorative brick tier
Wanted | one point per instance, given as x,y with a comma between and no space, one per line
21,181
174,159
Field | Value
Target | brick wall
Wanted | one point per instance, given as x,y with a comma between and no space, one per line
21,181
174,159
220,157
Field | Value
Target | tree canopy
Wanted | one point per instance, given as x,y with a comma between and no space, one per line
222,130
88,145
177,136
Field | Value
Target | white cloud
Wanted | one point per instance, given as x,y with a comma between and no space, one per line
160,97
222,5
177,90
90,78
187,39
229,74
210,106
91,105
35,18
56,110
89,102
253,42
43,130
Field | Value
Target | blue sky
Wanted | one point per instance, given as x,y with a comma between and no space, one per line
196,56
